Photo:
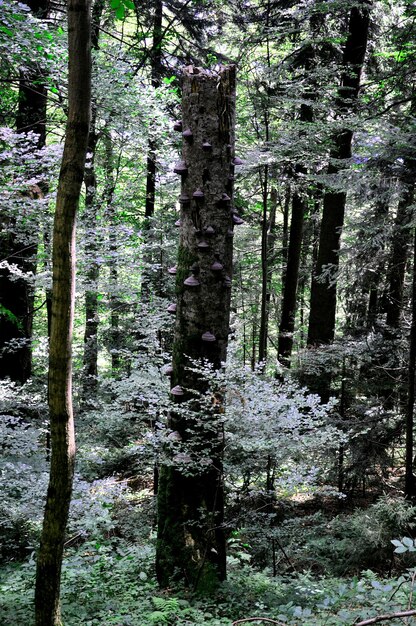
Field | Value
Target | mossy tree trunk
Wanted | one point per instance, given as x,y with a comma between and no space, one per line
49,560
191,541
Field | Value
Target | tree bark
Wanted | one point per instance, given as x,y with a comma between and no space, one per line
410,482
324,292
265,283
156,72
191,542
287,321
17,295
90,361
400,248
49,560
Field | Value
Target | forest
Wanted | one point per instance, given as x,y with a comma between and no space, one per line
207,312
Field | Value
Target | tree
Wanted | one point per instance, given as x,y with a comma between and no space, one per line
306,59
323,292
49,560
191,541
90,219
16,290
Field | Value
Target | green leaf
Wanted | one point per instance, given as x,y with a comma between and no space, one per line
120,12
114,4
129,4
6,30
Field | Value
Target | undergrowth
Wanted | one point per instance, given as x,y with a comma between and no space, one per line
112,584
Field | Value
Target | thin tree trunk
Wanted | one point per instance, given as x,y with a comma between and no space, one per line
114,337
285,233
299,209
156,71
49,560
265,293
410,482
376,279
400,249
90,373
287,321
152,281
191,540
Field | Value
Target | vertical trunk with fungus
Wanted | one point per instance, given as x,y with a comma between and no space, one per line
191,541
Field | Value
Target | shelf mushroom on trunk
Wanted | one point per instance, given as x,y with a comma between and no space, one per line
191,538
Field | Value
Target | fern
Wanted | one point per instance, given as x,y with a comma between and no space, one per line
165,610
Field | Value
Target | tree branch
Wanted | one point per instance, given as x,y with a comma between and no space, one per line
383,618
257,619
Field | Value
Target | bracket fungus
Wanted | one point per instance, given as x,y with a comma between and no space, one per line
181,168
191,281
198,194
177,391
208,337
209,231
217,266
184,198
237,220
187,134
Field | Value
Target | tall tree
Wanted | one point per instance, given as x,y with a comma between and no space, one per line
191,542
299,208
324,292
156,73
410,479
49,560
90,220
16,291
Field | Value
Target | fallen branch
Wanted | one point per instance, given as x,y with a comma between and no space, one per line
258,619
383,618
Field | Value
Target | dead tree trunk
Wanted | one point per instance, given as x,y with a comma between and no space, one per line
49,560
191,542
